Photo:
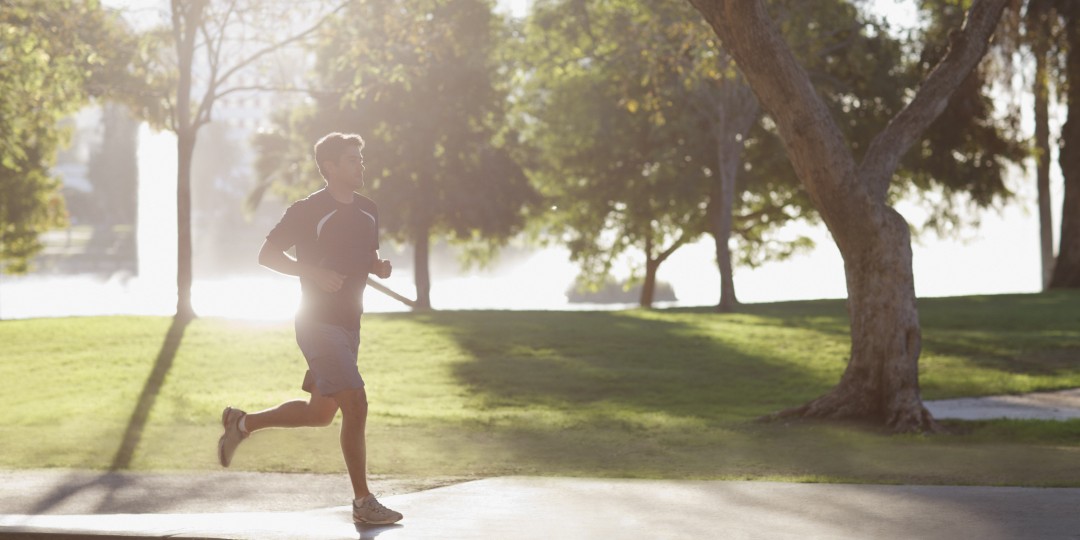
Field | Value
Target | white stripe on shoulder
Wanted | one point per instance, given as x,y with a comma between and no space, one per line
318,230
368,214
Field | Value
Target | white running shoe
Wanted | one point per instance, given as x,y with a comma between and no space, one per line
230,420
370,511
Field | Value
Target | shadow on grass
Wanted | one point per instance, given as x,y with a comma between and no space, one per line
1034,334
1014,334
112,480
164,361
609,372
570,360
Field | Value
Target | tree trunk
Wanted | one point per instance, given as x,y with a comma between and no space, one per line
881,381
186,17
422,269
648,287
185,151
1041,49
1067,268
737,111
721,209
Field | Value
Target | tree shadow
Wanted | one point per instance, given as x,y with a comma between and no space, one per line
612,389
164,361
571,360
136,424
1025,341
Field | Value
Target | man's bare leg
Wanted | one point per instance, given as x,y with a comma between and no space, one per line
317,411
354,407
365,508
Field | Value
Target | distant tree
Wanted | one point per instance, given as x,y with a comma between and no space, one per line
881,382
1067,266
615,152
424,83
211,50
963,156
1041,31
55,55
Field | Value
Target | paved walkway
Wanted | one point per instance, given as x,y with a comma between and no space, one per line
1062,405
534,508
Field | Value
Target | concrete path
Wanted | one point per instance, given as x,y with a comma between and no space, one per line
534,508
1063,405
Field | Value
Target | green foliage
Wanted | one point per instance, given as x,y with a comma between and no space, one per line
857,69
962,160
623,157
422,81
626,102
668,393
55,55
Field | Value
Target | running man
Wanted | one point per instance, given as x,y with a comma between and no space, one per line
336,235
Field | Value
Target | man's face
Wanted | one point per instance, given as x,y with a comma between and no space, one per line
349,168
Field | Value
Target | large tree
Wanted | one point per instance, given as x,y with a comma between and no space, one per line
211,50
603,74
424,83
55,55
881,382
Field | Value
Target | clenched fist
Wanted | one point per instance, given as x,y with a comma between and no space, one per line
381,268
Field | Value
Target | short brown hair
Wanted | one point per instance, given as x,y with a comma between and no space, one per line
333,145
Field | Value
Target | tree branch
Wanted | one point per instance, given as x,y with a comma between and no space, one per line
814,143
263,88
965,51
276,46
674,246
213,58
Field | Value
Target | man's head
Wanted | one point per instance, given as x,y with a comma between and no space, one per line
339,159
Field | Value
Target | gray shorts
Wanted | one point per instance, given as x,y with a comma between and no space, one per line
331,353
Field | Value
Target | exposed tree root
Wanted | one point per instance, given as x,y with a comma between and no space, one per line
906,416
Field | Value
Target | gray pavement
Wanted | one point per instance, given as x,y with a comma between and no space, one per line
235,505
532,508
1062,405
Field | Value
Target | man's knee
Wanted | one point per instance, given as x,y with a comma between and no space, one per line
353,403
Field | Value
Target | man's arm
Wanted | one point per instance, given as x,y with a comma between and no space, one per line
277,260
381,267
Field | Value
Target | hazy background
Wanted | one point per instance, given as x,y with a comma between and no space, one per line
119,256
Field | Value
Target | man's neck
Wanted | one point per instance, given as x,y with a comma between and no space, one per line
342,193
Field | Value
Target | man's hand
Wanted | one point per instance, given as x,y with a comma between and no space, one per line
327,280
381,268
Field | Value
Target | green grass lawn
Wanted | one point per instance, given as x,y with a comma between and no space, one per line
659,394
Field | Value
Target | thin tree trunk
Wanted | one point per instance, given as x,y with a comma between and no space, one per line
722,205
1067,268
737,111
422,269
184,276
648,287
186,20
1041,50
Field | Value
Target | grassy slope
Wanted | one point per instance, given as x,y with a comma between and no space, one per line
633,393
